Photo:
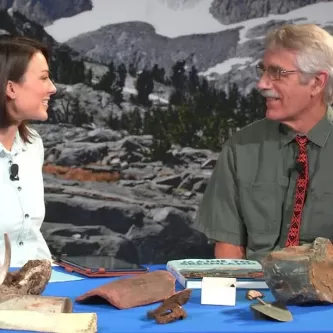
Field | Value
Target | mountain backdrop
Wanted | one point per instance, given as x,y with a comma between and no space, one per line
148,92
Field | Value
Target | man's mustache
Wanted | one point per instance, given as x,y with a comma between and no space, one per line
269,93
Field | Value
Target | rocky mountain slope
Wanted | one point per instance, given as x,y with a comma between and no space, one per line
223,56
138,42
234,11
46,11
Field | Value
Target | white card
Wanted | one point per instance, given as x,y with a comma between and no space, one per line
218,291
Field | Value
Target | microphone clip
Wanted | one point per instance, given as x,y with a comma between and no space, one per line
13,175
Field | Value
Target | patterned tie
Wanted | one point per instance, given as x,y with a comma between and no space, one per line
301,187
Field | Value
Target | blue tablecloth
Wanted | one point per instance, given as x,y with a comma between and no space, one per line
201,318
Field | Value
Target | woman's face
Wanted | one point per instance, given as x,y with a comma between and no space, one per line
29,98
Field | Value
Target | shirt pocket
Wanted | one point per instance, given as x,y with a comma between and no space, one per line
320,223
261,206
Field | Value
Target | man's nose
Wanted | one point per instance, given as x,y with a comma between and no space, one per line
264,82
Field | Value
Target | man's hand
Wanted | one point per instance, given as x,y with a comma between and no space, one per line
229,251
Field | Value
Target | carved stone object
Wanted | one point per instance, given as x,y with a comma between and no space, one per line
301,274
133,291
171,309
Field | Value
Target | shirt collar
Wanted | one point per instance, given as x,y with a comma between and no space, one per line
18,146
318,134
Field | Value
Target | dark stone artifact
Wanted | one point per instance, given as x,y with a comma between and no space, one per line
133,291
301,274
171,309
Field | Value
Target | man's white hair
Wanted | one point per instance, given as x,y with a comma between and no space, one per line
314,49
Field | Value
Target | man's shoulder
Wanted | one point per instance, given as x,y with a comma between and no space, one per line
255,132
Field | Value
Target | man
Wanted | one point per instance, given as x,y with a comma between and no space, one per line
272,186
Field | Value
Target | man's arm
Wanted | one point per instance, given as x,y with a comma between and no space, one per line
219,216
229,251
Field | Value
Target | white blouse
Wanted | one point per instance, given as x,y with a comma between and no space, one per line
22,207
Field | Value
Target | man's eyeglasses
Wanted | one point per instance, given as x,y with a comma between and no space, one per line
274,73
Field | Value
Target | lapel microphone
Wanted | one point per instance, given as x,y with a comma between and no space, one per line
14,168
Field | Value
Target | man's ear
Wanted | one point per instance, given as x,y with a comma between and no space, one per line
10,90
319,83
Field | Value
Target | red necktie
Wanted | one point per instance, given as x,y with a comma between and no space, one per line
301,187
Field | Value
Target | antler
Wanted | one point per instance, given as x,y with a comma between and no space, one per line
5,267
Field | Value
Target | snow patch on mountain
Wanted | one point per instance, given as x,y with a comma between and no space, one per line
170,22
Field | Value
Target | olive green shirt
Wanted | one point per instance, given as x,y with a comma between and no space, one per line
249,198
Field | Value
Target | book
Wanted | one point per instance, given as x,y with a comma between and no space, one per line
189,272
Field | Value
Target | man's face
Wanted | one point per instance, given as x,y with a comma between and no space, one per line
286,97
31,96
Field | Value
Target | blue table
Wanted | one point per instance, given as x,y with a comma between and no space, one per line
201,318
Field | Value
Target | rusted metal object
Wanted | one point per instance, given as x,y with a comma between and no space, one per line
301,274
171,309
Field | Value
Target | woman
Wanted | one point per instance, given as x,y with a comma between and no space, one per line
25,91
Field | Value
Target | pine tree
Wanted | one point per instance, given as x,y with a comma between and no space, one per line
193,80
178,80
89,77
144,86
158,74
107,80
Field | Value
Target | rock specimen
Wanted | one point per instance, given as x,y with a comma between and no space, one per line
301,274
133,291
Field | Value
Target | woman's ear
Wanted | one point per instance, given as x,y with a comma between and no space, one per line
10,90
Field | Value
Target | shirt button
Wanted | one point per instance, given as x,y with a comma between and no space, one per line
19,188
26,216
10,162
20,243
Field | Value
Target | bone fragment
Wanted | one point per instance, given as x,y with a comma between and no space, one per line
48,322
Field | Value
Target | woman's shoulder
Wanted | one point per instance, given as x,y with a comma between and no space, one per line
35,139
34,136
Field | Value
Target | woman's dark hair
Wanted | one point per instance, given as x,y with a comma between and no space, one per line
15,55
